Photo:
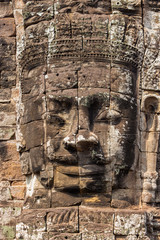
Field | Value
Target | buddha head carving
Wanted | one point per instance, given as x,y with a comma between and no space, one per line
78,117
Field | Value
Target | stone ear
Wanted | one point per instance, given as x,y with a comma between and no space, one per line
151,104
150,109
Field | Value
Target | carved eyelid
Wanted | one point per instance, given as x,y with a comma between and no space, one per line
51,118
66,101
108,114
63,104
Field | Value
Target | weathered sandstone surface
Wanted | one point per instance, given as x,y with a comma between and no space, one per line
79,119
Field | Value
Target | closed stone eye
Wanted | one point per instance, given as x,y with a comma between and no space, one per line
109,116
56,120
62,106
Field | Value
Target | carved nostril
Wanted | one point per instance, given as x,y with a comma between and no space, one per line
91,138
69,142
83,141
86,141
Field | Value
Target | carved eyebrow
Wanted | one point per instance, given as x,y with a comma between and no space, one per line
91,99
62,98
83,100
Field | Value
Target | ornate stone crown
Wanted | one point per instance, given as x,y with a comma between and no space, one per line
154,4
115,41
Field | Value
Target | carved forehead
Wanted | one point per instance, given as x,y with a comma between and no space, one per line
90,74
83,75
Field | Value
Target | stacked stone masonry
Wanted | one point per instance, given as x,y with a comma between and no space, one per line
79,119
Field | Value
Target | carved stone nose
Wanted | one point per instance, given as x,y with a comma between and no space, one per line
85,140
82,141
70,142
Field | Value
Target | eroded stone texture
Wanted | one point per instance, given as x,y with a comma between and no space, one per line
93,223
63,220
79,90
76,120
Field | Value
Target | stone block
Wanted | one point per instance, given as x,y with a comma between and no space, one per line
40,199
7,133
5,9
63,104
31,225
7,46
18,4
33,14
151,17
9,214
7,107
102,7
7,27
120,237
126,195
64,78
126,6
8,64
11,170
131,237
25,163
28,234
94,75
64,236
30,88
37,33
60,199
95,220
5,191
98,236
116,203
33,134
130,224
1,233
37,159
8,75
5,95
33,109
36,195
126,78
150,76
8,151
9,232
7,119
19,22
18,190
63,220
35,219
15,94
90,96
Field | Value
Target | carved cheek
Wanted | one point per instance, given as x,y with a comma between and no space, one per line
115,144
112,141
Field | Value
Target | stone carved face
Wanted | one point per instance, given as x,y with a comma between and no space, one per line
79,125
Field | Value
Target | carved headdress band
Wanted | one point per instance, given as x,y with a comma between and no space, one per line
112,42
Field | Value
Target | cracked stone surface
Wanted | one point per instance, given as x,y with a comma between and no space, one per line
79,119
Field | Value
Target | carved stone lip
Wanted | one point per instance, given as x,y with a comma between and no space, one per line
81,171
